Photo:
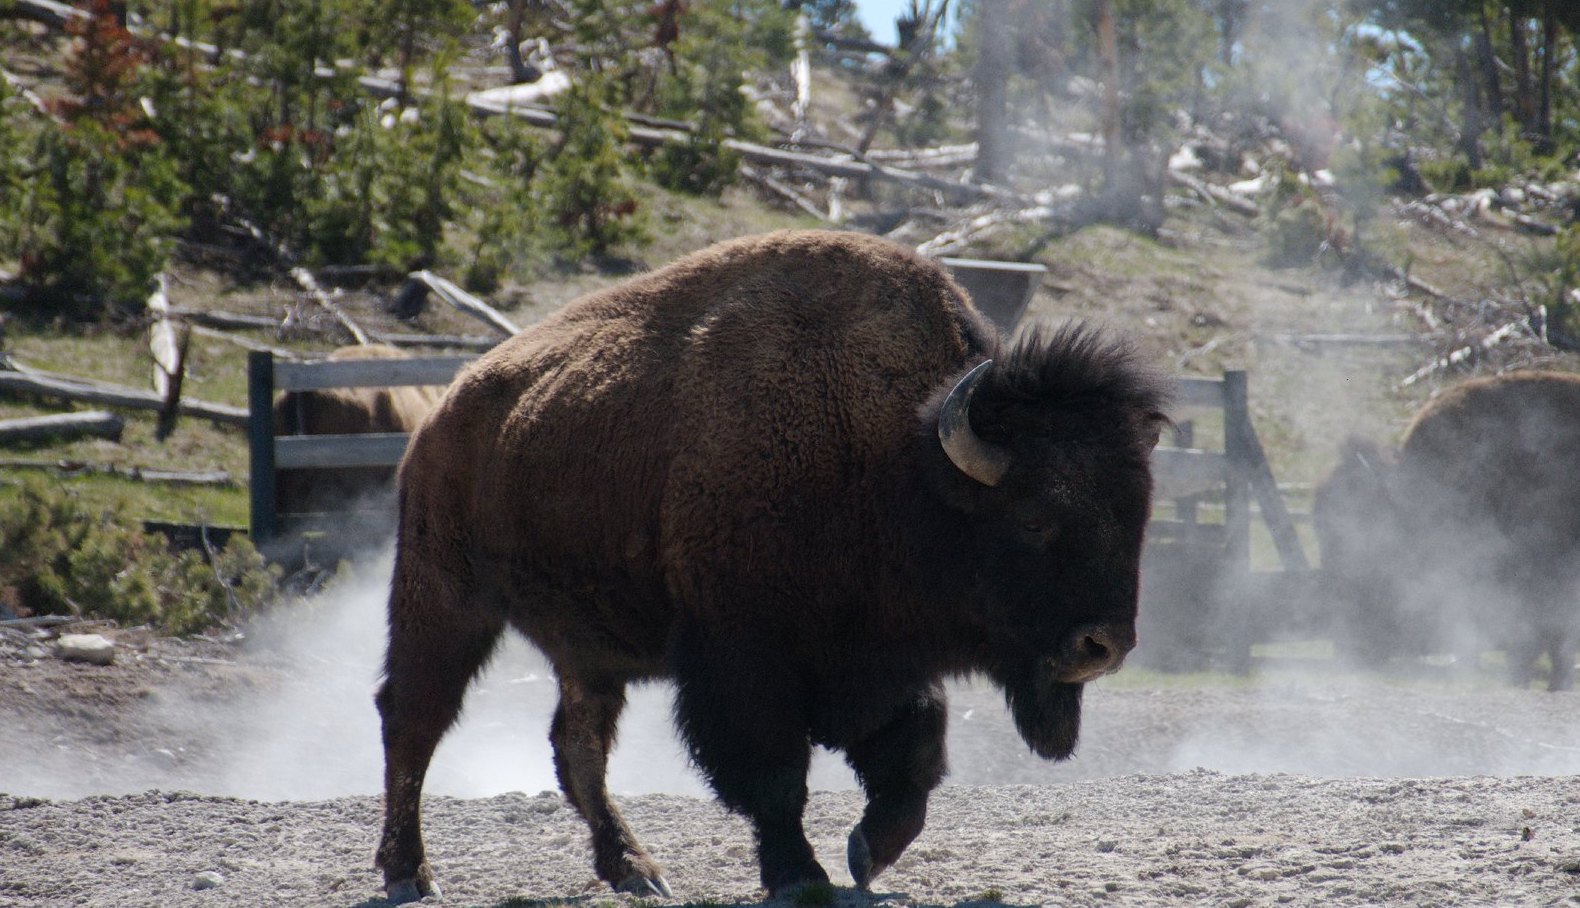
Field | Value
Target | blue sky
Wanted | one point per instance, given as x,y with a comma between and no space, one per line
879,16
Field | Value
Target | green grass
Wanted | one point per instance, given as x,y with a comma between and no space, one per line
217,373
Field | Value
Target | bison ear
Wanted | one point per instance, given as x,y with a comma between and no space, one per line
984,462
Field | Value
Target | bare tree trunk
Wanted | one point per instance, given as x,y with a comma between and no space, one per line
1229,14
1519,49
992,77
1470,125
1108,51
1489,67
1544,113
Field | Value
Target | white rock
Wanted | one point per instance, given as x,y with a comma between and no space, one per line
94,648
208,879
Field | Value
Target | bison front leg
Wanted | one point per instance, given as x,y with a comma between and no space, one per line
898,766
744,719
583,733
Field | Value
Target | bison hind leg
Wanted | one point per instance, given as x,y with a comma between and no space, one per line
582,734
898,766
426,673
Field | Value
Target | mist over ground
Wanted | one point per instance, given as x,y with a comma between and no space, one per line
311,732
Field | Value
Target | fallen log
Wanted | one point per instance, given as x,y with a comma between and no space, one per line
1467,352
753,153
111,395
40,621
95,423
309,285
28,95
245,344
230,320
1216,194
1532,225
784,191
139,474
1347,340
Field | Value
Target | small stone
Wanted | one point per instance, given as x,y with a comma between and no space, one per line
208,879
94,648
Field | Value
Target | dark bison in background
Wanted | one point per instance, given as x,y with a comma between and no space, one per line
1468,537
346,411
799,475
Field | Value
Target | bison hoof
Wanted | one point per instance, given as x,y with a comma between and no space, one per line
403,891
859,855
645,886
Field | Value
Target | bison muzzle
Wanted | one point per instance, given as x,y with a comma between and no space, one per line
800,476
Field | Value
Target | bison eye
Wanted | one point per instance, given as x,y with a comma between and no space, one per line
1037,528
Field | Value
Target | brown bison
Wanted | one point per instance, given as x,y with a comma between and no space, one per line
798,475
1470,535
346,411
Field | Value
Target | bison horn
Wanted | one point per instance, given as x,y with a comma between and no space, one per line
976,458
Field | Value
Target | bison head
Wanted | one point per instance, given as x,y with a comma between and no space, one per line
1050,449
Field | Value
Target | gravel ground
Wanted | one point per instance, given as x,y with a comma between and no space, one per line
1178,839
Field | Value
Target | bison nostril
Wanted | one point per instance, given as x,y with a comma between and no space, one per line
1095,650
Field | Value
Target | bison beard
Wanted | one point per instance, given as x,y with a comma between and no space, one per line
800,476
1047,713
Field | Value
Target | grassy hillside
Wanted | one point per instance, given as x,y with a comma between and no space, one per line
1201,298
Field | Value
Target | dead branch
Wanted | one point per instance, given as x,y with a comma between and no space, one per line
1347,340
1532,225
1216,195
1468,352
1434,216
773,157
246,344
465,302
230,320
1416,284
309,285
28,94
784,191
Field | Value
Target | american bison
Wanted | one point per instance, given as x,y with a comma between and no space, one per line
800,476
346,411
1470,535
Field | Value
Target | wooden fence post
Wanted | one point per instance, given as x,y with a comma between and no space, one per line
1238,445
260,442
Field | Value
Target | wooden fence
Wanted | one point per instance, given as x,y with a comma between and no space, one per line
1202,602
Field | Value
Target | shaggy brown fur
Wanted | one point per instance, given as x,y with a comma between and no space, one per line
728,472
346,411
1470,535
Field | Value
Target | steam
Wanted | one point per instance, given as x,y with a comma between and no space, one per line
308,729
